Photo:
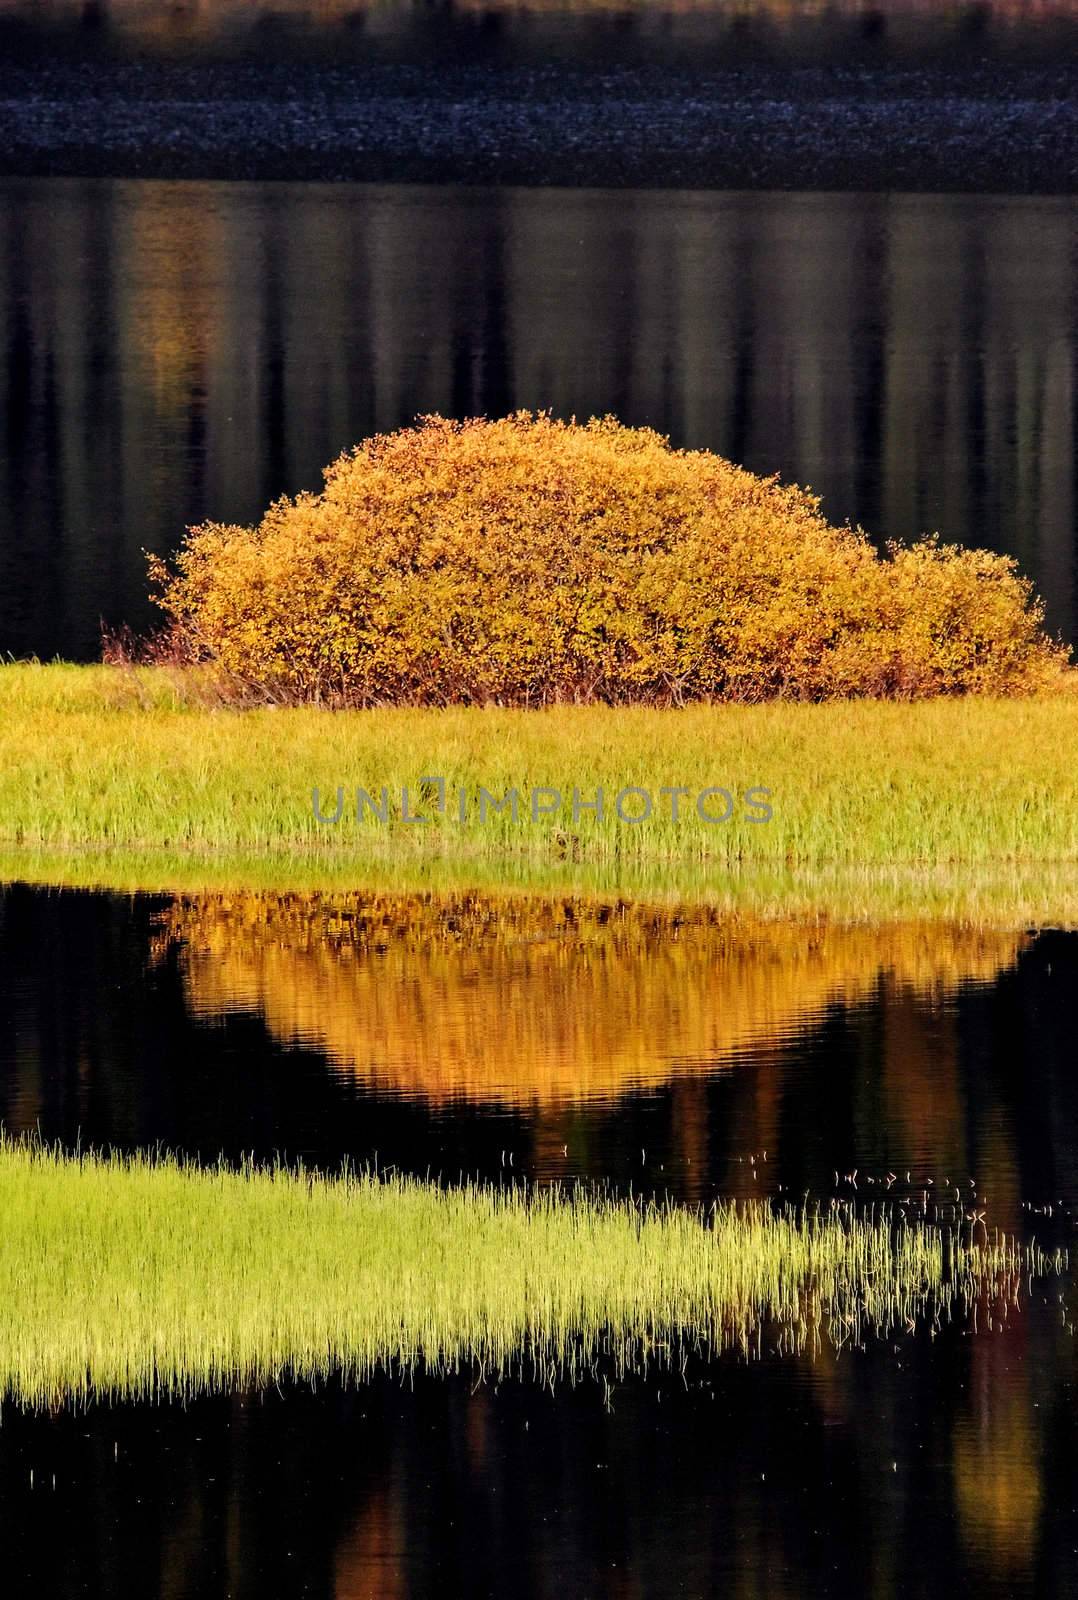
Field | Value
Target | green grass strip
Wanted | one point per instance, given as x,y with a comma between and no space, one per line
923,798
132,1277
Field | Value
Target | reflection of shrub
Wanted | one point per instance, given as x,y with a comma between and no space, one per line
528,560
531,1001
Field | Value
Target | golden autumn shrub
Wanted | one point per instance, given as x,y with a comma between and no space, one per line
528,560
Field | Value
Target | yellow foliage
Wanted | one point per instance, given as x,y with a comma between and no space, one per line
527,560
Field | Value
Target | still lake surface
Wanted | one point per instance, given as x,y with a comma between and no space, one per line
796,32
625,1051
182,351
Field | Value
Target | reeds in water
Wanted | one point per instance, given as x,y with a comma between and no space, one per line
140,1277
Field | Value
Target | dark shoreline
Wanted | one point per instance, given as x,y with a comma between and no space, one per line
984,129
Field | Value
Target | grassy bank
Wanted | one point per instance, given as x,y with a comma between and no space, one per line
132,1278
934,805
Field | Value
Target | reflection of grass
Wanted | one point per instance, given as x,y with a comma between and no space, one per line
521,1000
1010,898
137,1278
917,794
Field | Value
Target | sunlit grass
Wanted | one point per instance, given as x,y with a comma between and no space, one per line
105,760
141,1278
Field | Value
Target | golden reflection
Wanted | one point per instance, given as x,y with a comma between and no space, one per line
997,1460
370,1559
532,1001
169,259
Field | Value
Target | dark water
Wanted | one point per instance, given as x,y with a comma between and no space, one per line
571,31
177,351
923,1466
